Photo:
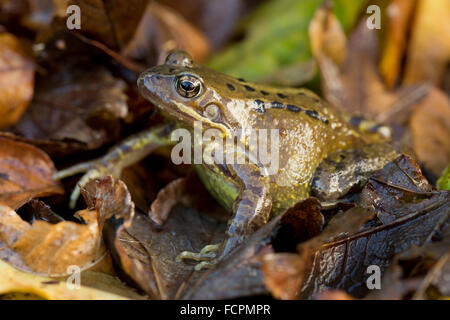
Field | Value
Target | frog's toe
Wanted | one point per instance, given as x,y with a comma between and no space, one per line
208,253
206,264
211,248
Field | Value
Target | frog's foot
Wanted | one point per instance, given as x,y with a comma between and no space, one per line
93,169
208,256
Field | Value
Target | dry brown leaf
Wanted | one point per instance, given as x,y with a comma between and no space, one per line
38,210
166,199
50,249
108,283
77,101
399,14
162,30
16,79
54,148
110,198
283,274
354,85
146,254
300,223
415,271
329,37
430,127
429,49
25,173
112,22
408,211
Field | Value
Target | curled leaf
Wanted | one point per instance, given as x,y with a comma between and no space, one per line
25,173
50,249
166,199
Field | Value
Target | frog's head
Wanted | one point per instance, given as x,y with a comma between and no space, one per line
190,93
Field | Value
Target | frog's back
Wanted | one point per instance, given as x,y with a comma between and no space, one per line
308,130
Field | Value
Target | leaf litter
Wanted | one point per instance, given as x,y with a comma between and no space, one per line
75,92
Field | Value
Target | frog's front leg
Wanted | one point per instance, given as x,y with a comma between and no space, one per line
251,210
130,151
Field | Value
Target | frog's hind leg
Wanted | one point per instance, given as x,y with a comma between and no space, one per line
130,151
371,131
345,170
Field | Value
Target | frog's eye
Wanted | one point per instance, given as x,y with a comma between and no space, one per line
179,59
188,86
212,112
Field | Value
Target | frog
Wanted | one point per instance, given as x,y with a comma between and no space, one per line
319,152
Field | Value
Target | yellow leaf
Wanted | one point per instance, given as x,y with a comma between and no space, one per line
20,284
429,49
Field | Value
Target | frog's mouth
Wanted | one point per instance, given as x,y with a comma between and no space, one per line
175,113
191,117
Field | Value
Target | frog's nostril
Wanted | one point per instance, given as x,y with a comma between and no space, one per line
141,81
145,82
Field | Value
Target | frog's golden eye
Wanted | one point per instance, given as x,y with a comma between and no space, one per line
188,86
